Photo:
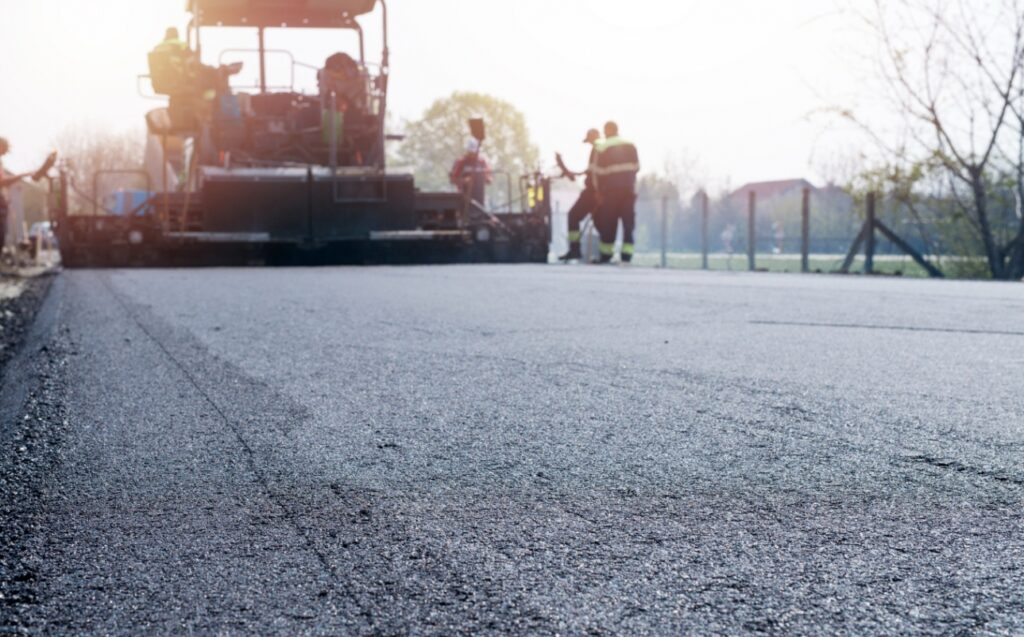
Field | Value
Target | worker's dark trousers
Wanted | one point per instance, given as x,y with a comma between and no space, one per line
585,205
618,205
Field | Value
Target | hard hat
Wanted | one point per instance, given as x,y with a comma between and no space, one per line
592,136
472,146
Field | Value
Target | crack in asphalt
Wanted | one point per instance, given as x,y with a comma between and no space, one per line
959,467
889,328
250,454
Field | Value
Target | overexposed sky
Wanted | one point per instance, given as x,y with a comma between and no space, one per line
729,82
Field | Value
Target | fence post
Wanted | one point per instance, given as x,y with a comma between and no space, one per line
664,232
805,233
704,230
869,239
752,233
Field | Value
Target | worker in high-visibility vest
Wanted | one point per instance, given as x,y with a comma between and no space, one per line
615,174
197,92
587,202
172,42
178,62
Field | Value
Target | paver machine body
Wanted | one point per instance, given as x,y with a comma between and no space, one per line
279,175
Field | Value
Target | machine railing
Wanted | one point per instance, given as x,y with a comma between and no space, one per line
139,79
258,86
510,199
94,200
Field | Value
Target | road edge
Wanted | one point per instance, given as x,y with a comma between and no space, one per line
33,417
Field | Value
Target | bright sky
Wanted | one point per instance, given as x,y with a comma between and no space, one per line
729,82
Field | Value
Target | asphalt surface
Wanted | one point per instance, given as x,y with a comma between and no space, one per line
516,450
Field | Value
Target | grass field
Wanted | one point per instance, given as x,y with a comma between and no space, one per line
884,264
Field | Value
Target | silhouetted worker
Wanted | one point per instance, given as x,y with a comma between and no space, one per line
173,42
4,183
587,202
198,93
471,173
779,233
617,166
728,236
342,89
7,180
171,64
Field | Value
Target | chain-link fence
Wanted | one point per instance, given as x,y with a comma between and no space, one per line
801,229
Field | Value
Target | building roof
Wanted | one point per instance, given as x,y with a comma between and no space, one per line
770,189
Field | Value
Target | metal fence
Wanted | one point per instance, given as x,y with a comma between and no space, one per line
802,232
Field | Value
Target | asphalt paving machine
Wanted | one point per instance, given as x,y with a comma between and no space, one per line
275,174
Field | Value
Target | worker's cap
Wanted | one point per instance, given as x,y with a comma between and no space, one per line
592,136
472,146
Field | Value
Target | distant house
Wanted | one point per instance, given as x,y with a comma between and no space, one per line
766,190
834,222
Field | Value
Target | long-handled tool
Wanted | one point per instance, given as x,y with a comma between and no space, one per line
39,175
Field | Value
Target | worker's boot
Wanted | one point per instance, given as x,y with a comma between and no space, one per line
574,253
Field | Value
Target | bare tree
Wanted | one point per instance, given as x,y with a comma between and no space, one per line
952,69
90,151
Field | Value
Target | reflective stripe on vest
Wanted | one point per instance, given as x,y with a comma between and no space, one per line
617,168
172,45
630,165
611,142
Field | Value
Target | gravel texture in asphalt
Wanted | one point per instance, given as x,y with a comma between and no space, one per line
515,450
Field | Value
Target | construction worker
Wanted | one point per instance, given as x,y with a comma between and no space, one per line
471,173
173,42
172,63
615,174
197,93
4,183
587,202
342,89
177,70
7,180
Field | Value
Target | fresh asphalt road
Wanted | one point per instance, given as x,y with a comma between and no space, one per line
533,450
